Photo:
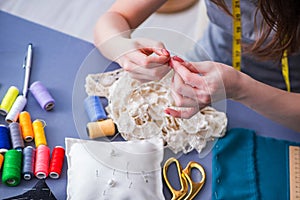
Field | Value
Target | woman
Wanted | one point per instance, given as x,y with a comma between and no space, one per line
268,30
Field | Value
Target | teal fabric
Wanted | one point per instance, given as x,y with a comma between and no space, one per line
247,166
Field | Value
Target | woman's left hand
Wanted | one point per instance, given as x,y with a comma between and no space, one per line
196,85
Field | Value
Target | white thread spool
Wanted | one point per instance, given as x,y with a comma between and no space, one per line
15,110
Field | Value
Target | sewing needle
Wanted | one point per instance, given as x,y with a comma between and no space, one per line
27,66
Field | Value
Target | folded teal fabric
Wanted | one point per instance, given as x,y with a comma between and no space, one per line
247,166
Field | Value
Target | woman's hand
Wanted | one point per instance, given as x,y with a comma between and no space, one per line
198,84
145,59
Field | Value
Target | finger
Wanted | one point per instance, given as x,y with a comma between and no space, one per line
157,51
154,61
141,72
190,78
182,101
181,88
185,114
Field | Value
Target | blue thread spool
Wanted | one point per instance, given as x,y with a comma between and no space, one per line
5,144
16,136
94,108
28,162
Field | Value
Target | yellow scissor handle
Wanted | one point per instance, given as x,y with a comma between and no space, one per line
177,194
195,187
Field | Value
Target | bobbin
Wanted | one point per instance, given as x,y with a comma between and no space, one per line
8,100
94,108
101,128
42,95
16,136
26,126
56,160
16,108
39,132
42,162
28,162
11,174
1,160
5,143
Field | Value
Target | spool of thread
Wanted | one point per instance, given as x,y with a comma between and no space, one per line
57,161
41,170
28,162
1,160
26,126
94,108
39,133
42,95
15,110
11,174
101,128
8,100
5,143
16,136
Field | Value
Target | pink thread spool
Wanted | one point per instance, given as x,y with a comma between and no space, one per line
42,95
41,170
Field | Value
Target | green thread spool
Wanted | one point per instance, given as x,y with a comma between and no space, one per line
11,174
8,100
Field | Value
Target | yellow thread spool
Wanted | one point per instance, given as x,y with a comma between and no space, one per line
39,133
8,100
101,128
1,160
26,126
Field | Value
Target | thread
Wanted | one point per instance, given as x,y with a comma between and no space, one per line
101,128
1,160
16,108
42,95
28,162
94,108
11,174
39,133
41,170
4,139
16,136
57,161
8,100
26,126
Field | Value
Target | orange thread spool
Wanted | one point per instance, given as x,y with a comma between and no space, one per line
101,128
1,160
39,133
26,126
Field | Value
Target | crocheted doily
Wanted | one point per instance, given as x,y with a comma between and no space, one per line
138,111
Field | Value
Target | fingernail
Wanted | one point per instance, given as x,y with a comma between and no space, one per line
165,52
167,112
170,63
178,59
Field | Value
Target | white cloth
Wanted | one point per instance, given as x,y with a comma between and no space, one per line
114,170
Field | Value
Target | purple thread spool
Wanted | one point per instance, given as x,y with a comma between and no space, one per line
42,95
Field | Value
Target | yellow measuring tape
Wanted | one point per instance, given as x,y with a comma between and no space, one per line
237,47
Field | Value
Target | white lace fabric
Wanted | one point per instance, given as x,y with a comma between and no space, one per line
138,111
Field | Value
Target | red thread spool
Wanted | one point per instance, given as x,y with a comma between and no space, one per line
57,161
42,162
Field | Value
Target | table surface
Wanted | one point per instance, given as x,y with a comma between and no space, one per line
61,63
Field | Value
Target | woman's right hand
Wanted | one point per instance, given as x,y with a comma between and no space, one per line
144,59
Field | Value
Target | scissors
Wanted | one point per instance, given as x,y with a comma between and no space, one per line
189,189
